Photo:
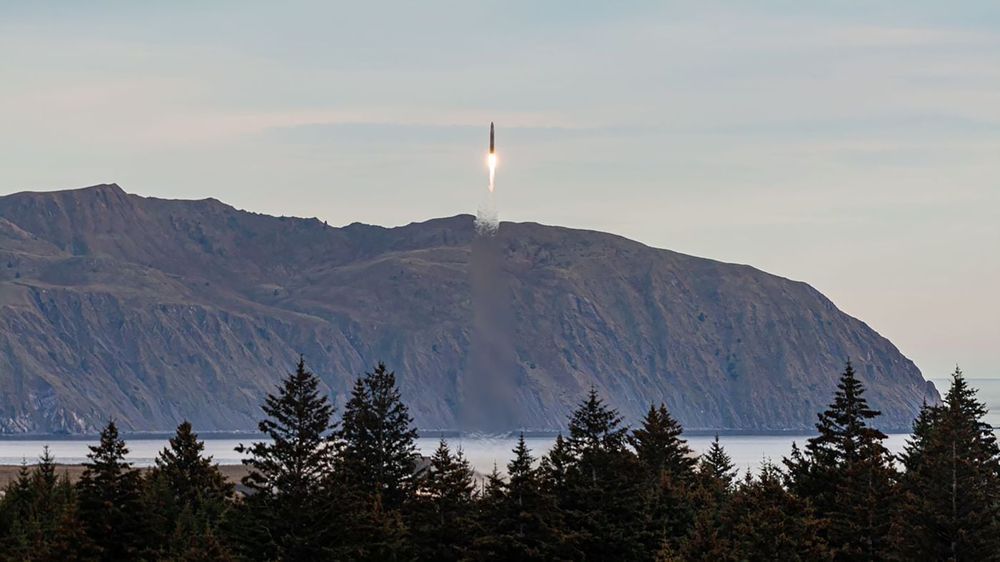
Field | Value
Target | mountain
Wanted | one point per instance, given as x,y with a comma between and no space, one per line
151,311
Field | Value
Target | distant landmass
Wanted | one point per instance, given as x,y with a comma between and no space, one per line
150,311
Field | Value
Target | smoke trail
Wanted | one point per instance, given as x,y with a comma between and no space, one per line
487,220
489,383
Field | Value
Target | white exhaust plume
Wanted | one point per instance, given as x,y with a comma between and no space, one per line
487,221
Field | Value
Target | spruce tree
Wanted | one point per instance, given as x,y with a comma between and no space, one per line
493,487
188,493
46,481
558,476
847,474
374,477
284,514
54,505
762,521
38,519
595,429
603,504
950,506
69,541
379,440
710,494
489,507
668,466
717,465
555,468
18,519
443,519
192,477
523,482
110,506
523,522
659,446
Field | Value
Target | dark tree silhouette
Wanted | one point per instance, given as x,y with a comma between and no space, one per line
659,446
187,496
379,439
950,507
283,517
443,516
717,465
110,500
848,475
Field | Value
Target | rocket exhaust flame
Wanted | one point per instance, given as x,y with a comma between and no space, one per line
492,163
487,222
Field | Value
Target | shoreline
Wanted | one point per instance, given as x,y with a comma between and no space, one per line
423,434
8,472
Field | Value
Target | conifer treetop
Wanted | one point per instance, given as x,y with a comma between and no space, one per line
594,426
300,425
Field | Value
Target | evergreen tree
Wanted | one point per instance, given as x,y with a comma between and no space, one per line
18,520
69,541
558,474
110,506
189,495
525,524
668,465
711,493
522,475
193,478
848,475
659,445
443,519
489,511
556,467
706,542
950,506
54,507
46,483
284,516
762,521
595,430
717,465
493,487
38,516
379,440
602,503
374,478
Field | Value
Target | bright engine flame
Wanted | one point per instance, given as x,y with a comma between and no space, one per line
491,160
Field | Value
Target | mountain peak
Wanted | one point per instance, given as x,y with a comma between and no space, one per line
101,188
152,310
73,192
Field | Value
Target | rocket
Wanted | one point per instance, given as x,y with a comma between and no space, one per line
491,158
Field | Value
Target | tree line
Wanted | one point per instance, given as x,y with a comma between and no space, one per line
355,489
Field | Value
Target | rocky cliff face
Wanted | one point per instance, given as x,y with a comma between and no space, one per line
151,311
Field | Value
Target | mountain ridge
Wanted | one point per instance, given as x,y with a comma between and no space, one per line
153,310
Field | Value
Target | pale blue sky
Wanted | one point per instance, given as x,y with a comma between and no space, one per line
855,147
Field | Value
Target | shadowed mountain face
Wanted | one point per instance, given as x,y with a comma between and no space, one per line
151,311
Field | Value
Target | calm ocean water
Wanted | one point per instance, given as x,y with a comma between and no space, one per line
747,451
